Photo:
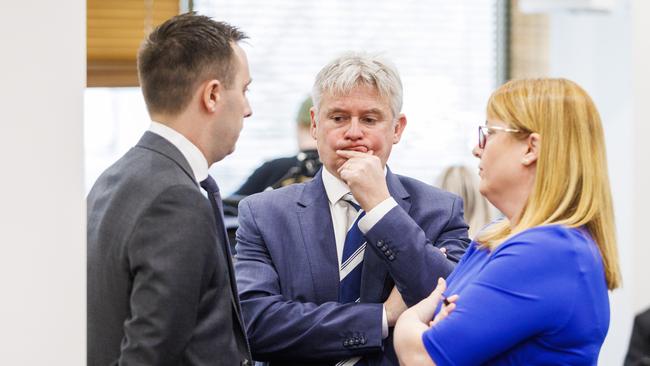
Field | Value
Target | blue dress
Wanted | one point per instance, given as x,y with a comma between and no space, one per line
540,298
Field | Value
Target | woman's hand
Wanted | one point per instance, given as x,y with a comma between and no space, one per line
449,304
415,321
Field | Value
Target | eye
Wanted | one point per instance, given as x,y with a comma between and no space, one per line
338,118
369,120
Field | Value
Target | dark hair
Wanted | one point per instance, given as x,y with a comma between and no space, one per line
181,53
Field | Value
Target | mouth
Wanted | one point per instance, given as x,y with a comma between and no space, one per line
358,148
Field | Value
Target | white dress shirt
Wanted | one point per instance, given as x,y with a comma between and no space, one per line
190,152
343,215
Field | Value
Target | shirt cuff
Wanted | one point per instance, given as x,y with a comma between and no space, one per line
384,324
377,213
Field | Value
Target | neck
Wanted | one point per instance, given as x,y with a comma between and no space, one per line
512,205
186,126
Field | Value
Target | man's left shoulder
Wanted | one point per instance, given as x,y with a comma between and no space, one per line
422,191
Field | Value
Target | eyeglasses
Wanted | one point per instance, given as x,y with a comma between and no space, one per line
485,131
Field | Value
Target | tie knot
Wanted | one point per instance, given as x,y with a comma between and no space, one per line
350,199
210,185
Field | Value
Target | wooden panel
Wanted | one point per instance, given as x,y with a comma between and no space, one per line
115,29
529,44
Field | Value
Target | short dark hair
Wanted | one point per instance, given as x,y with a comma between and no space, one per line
181,53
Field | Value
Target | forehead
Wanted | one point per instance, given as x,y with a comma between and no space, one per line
493,121
362,97
241,60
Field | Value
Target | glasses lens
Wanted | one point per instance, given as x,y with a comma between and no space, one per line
481,138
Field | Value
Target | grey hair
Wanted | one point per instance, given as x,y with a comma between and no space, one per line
352,69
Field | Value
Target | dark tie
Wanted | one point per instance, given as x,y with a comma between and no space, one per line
212,189
352,259
350,268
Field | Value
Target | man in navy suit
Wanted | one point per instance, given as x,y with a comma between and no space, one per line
306,297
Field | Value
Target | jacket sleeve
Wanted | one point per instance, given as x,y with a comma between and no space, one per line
284,329
411,251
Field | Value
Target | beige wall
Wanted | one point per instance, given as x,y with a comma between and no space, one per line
42,215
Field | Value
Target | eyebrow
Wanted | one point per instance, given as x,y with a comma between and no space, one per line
369,111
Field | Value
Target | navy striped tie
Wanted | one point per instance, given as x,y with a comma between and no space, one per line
352,259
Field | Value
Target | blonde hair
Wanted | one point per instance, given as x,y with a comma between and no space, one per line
571,185
459,180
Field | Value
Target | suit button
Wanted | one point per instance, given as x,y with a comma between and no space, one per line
391,257
363,340
379,243
346,343
388,252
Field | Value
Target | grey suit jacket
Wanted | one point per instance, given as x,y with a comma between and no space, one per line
288,277
161,289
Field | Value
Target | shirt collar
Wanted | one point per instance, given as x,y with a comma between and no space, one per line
190,152
334,187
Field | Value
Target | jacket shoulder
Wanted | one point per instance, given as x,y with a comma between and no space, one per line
423,191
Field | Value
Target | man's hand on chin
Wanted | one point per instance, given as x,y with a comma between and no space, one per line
364,174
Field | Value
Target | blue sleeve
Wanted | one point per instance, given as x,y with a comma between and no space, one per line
524,289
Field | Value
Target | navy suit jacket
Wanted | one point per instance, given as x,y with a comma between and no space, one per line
288,277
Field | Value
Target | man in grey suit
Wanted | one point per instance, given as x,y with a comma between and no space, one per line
161,289
325,268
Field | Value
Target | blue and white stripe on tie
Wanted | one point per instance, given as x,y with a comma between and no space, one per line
352,260
351,266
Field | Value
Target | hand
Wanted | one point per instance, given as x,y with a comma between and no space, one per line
364,174
444,251
394,306
445,310
425,308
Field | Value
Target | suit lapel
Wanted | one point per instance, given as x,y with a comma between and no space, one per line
317,231
375,273
157,143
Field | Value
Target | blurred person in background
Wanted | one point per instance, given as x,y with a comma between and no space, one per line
532,289
638,352
294,169
459,180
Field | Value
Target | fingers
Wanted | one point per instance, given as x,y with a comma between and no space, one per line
444,251
445,310
442,286
348,154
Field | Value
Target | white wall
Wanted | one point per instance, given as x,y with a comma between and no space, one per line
641,95
607,53
42,214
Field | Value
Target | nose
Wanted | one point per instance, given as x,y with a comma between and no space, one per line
477,152
354,130
247,109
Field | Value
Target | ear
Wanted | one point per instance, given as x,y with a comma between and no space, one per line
211,94
312,128
400,124
533,143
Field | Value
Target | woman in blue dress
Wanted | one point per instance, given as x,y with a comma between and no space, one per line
532,289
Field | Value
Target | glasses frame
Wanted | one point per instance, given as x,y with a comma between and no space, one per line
485,131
